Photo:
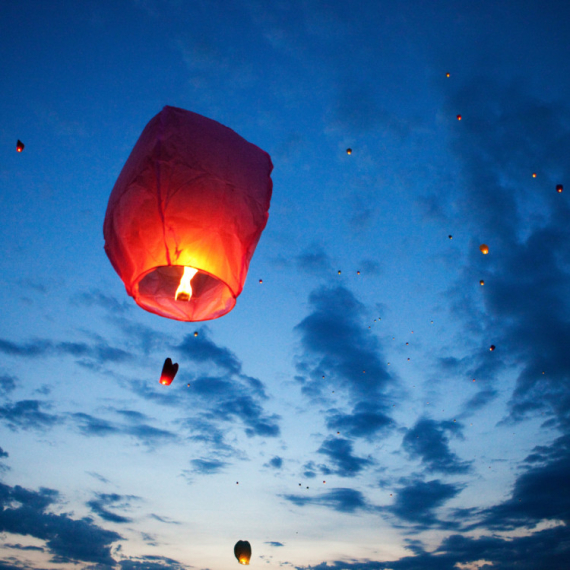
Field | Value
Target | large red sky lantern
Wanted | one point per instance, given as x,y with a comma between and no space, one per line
185,216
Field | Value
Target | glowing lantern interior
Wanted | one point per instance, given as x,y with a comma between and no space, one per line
185,216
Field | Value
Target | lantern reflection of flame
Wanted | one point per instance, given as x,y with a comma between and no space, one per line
184,291
243,560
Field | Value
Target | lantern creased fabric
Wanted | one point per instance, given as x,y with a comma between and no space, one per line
193,193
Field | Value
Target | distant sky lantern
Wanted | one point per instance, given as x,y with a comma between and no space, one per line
450,236
242,551
459,117
186,214
492,347
348,151
169,371
484,249
559,188
534,174
481,282
447,74
20,146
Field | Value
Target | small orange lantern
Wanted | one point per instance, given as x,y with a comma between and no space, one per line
185,216
242,551
20,146
484,249
447,74
459,117
559,188
481,282
169,371
348,151
492,347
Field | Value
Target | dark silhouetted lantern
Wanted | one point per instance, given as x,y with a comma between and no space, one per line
348,151
450,236
20,146
169,371
492,347
186,214
484,249
242,550
481,282
459,117
447,74
559,188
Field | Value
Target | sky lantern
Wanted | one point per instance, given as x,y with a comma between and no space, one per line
447,74
559,188
482,282
169,371
484,249
20,146
186,214
348,151
492,347
242,550
459,117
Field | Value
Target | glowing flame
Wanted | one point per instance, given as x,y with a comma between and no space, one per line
243,560
184,291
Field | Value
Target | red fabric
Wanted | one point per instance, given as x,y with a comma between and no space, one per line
192,193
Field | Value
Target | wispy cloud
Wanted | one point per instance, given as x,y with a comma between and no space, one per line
101,503
417,501
143,432
428,441
67,539
28,414
339,452
7,384
343,500
207,466
100,351
275,462
335,344
366,420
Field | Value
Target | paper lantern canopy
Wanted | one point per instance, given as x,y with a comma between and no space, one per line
242,551
186,214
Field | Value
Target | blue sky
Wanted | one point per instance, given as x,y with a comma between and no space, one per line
346,421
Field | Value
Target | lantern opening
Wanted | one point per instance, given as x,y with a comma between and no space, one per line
157,291
243,560
184,291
